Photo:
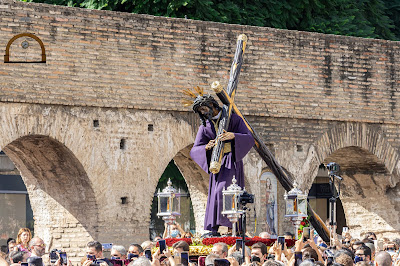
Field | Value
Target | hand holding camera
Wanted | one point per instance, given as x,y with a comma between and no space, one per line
59,258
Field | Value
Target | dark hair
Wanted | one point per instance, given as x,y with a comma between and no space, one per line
367,250
96,245
261,246
138,246
181,244
288,234
358,243
368,234
17,256
309,253
35,261
205,100
346,251
367,240
11,240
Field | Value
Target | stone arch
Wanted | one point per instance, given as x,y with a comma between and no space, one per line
370,168
368,137
174,143
61,195
197,182
7,54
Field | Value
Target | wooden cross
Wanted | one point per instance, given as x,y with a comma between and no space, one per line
227,98
218,150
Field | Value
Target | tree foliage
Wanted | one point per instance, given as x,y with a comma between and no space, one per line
362,18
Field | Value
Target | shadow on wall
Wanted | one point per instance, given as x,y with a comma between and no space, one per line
47,165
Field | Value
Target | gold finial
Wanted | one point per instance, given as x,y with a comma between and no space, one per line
215,167
243,37
217,87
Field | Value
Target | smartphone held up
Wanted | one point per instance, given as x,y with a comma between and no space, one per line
281,241
163,245
306,233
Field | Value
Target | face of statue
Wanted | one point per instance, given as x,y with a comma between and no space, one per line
206,111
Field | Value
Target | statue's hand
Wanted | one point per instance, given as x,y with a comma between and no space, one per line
226,136
210,144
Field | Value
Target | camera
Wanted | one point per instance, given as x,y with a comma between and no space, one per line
53,255
245,198
333,168
63,258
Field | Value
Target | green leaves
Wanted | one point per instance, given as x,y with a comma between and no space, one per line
362,18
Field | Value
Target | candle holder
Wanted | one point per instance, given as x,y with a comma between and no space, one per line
169,204
296,207
230,197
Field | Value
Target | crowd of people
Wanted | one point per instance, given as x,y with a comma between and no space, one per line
343,250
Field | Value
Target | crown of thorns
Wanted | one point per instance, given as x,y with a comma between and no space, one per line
193,94
198,98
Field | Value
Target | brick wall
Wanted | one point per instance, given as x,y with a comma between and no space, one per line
307,94
111,59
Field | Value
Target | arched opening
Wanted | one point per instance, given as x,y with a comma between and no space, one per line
366,192
15,208
61,195
196,181
186,220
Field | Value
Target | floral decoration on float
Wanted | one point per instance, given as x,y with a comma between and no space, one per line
304,223
230,241
203,247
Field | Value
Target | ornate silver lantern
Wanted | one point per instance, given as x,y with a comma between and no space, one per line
296,207
169,205
230,197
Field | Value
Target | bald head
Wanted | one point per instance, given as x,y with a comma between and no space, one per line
265,235
35,241
383,259
37,246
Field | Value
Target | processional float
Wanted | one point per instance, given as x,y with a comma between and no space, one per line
227,98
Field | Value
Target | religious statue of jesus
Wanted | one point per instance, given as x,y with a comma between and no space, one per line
238,141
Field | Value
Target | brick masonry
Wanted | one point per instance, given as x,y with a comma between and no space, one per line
313,98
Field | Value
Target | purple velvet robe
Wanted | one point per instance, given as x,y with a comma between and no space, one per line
231,164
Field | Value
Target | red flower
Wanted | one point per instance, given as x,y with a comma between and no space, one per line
249,241
171,241
303,223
